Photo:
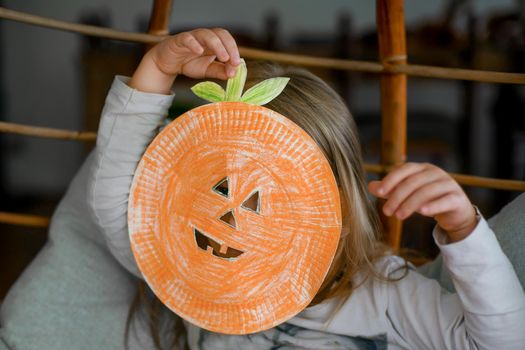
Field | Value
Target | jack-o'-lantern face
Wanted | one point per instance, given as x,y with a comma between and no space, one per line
234,217
207,243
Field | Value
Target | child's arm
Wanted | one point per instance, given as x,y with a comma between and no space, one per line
488,311
132,115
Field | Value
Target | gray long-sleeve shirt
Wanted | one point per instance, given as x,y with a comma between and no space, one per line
487,312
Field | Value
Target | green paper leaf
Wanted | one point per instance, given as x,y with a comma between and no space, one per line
235,85
209,91
265,91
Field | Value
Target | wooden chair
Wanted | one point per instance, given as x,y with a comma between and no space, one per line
392,67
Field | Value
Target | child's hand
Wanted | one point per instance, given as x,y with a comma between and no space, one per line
193,54
430,191
200,53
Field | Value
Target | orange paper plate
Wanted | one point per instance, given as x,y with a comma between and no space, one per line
234,217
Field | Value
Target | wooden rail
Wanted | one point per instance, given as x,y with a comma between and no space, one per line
159,20
465,180
38,131
24,219
301,60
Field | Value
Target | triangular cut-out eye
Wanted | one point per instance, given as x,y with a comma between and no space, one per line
229,218
252,202
222,187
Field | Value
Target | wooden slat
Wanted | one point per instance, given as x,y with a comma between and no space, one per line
468,180
486,182
459,74
301,60
160,17
392,52
159,20
44,132
465,180
24,219
77,28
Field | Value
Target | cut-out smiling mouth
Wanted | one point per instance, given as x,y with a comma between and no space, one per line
203,242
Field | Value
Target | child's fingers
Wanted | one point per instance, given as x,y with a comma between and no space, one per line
393,178
188,40
429,190
408,186
381,188
217,70
443,204
419,198
229,43
208,39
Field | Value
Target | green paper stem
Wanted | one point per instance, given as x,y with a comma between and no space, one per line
259,94
235,85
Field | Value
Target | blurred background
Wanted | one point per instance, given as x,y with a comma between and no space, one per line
58,79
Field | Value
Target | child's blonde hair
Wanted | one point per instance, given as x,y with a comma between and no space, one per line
317,108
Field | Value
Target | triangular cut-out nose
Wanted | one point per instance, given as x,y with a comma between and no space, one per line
229,218
222,187
252,203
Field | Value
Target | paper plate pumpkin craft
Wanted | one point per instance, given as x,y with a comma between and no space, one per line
234,213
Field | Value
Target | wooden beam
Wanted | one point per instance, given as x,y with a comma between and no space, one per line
24,219
465,180
301,60
39,131
392,52
159,20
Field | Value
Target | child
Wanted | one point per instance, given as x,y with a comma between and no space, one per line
394,306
